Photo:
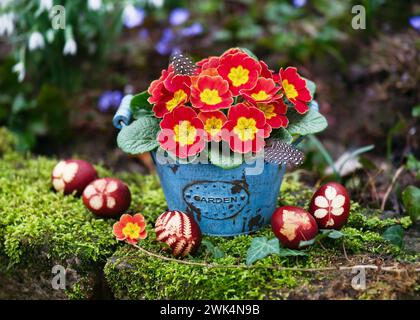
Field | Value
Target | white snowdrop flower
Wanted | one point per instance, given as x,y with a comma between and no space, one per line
45,5
36,41
157,3
19,68
7,24
70,47
94,5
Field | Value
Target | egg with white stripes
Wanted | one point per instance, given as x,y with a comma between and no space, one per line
179,231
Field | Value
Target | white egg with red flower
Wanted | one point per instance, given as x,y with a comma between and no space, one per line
330,206
107,197
179,231
291,225
72,175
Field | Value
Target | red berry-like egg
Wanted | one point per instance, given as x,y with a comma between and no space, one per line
179,231
107,197
72,175
330,205
293,225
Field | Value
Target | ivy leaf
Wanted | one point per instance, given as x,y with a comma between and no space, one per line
249,52
323,233
286,252
140,106
281,134
311,86
411,201
261,248
395,235
333,234
309,123
139,136
224,158
216,252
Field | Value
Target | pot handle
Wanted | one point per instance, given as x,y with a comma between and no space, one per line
123,115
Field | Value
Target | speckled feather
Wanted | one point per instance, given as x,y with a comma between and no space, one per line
183,64
278,152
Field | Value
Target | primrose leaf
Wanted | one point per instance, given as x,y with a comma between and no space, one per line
309,123
216,252
311,86
140,106
249,52
139,136
282,135
395,235
411,201
261,248
224,158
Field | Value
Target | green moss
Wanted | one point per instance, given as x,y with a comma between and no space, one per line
135,275
7,141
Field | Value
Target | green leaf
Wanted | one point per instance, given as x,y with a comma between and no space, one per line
261,248
411,201
140,106
225,159
415,112
139,136
323,233
395,235
309,123
249,52
286,252
333,234
311,86
281,134
216,252
413,164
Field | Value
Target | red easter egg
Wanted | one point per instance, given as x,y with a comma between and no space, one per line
107,197
179,231
330,205
293,225
72,175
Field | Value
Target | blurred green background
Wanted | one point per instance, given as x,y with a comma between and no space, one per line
60,87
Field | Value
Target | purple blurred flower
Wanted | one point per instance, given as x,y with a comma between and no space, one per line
299,3
144,34
193,30
178,16
110,100
165,46
133,17
415,22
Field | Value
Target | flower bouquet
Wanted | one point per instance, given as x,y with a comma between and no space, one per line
221,132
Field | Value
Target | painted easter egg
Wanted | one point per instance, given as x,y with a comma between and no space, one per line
179,231
330,205
72,175
107,197
217,200
293,225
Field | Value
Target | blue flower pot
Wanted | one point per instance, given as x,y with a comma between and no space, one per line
223,202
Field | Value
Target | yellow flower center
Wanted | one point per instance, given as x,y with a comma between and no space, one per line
261,95
245,128
185,133
210,96
238,76
268,110
179,97
213,125
289,89
131,230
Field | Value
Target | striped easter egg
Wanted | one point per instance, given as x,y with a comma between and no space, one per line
179,231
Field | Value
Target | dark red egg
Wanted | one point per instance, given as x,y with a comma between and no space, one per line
72,175
179,231
107,197
330,206
293,225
